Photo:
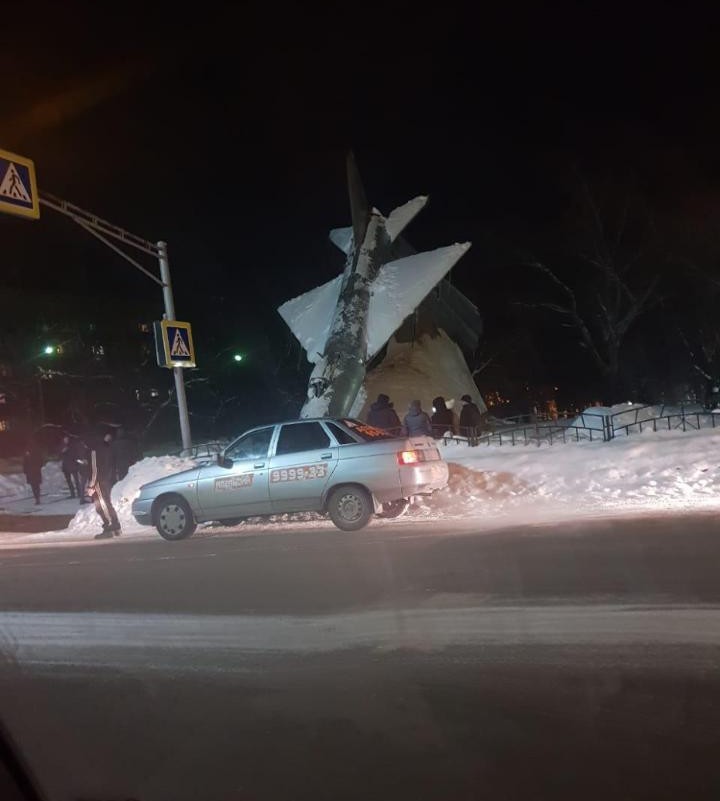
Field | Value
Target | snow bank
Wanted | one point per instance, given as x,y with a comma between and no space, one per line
14,486
643,472
86,521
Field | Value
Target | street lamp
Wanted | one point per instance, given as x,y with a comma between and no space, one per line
238,357
49,350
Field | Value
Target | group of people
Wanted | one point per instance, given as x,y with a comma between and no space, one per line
91,466
417,422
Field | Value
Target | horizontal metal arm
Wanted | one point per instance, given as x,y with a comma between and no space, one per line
120,252
89,220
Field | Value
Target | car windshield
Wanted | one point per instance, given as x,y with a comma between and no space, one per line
367,432
253,445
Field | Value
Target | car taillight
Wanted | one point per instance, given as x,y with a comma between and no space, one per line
410,457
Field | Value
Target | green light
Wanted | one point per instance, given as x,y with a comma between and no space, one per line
238,357
49,350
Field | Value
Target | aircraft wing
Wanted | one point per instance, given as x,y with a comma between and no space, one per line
401,286
309,316
402,215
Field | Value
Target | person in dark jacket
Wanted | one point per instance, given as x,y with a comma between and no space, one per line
32,467
102,476
470,417
126,453
416,422
83,452
382,415
70,457
443,419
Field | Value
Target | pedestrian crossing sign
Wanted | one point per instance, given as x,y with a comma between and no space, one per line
174,344
18,187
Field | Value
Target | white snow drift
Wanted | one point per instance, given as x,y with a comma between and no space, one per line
641,473
124,492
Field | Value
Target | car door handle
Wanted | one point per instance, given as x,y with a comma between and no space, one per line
259,465
326,456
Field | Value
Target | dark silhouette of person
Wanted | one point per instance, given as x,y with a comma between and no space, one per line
102,476
383,415
471,417
70,458
443,419
32,467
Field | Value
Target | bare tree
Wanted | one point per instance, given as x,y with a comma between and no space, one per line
610,288
698,328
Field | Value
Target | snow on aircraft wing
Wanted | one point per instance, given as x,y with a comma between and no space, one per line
401,286
309,316
402,215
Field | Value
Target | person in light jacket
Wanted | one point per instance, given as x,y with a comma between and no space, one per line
416,422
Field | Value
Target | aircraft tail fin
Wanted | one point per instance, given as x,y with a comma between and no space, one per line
359,209
402,215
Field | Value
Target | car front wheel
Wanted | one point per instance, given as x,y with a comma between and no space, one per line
350,508
174,518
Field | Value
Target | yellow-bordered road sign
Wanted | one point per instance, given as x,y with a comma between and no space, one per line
18,187
174,344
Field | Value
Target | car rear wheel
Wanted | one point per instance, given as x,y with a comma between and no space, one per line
174,518
350,508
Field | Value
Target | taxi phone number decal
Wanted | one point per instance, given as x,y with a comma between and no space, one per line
302,473
233,482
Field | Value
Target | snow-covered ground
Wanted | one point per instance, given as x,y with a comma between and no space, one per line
16,496
648,472
489,486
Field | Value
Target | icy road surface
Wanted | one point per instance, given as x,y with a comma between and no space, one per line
406,662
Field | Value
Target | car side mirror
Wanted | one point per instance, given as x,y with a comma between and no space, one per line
224,461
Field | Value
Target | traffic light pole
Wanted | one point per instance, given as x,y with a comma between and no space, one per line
177,371
105,232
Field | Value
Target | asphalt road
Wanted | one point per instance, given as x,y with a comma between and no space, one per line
409,661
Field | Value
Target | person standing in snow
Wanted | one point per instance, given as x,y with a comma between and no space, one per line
102,477
470,418
70,456
416,422
382,415
32,467
443,419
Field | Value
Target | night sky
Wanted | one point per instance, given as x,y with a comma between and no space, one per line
224,131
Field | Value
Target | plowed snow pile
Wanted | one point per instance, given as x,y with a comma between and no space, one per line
470,489
86,521
642,472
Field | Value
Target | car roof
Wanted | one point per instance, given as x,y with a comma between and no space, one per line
302,420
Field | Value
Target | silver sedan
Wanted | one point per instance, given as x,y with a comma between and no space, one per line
343,468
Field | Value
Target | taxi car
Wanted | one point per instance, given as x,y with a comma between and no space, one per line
341,467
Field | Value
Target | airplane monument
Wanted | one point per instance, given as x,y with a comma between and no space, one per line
344,324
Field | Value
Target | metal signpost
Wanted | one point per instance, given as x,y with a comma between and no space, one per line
19,195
